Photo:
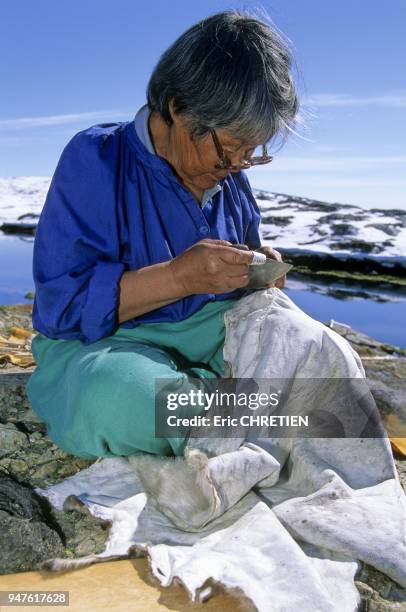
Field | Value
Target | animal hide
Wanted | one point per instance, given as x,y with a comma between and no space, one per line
327,503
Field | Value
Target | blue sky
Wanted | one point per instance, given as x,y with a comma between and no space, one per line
69,64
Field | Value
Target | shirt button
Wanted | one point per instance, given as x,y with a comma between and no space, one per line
203,230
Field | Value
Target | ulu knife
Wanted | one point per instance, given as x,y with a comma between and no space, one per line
261,274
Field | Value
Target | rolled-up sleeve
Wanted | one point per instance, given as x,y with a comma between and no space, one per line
76,265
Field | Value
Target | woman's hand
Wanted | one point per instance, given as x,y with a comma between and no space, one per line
211,266
269,252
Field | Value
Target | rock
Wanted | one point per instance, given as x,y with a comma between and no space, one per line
84,534
322,206
27,535
11,439
273,220
401,467
343,229
40,463
389,400
394,212
46,471
392,229
32,216
341,217
385,368
379,593
316,261
14,405
34,458
362,246
18,228
18,315
346,294
367,347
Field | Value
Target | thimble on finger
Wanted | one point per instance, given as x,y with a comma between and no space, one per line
258,259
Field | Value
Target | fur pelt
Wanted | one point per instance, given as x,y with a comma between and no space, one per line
191,491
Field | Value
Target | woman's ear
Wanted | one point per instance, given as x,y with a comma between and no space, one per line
172,111
177,119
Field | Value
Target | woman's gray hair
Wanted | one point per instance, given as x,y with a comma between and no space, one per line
229,71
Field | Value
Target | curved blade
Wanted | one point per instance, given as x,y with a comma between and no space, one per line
262,275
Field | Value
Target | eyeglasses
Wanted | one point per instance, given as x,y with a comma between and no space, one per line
225,164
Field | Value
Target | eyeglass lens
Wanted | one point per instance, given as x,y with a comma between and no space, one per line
255,160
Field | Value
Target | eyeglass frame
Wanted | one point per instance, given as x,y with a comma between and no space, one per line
224,162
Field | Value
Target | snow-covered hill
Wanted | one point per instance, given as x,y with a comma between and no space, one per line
22,194
302,224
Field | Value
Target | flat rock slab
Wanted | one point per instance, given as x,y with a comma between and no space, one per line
115,586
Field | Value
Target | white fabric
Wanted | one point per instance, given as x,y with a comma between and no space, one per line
298,542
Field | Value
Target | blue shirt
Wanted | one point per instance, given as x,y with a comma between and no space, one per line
113,206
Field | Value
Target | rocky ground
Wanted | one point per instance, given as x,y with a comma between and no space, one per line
31,530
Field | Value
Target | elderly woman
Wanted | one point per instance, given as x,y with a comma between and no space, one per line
133,260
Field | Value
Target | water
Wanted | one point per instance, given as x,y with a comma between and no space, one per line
15,269
383,321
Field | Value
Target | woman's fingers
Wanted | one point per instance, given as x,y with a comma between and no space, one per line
234,256
214,241
271,253
237,271
279,283
211,266
235,282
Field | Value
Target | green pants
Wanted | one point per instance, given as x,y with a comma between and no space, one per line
99,400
